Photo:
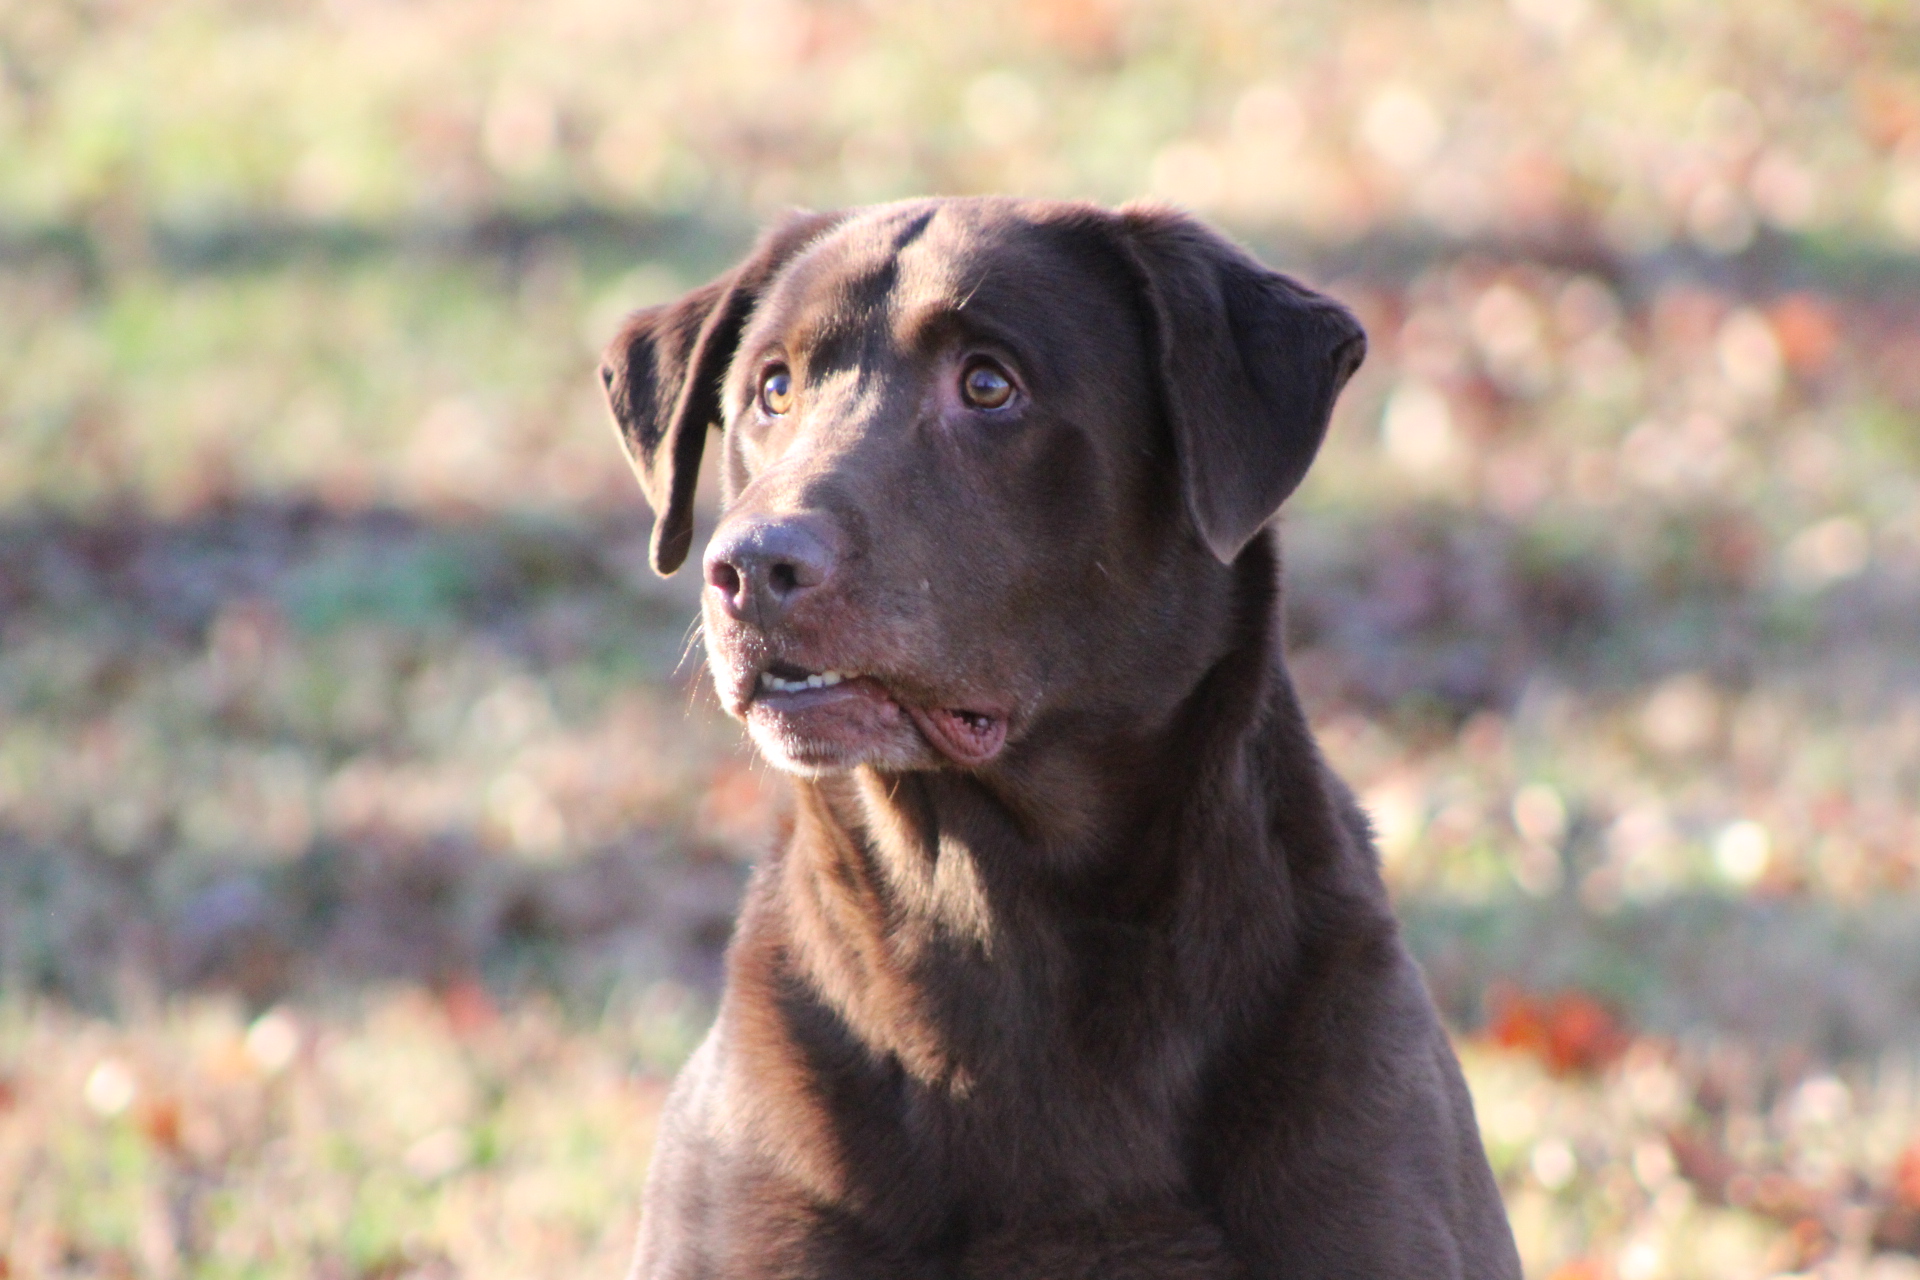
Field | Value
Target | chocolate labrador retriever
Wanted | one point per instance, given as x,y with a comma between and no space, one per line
1078,965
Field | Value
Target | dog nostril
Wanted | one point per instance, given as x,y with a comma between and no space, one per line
726,578
783,578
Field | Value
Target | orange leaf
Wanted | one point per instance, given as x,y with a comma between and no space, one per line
1906,1176
469,1009
159,1120
1582,1035
1807,329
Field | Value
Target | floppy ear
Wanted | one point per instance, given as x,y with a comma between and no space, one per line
663,371
1250,364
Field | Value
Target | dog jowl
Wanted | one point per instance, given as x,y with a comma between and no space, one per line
1077,962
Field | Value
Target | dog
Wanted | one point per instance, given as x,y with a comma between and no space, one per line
1077,964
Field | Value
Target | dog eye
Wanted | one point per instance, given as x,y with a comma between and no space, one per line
985,385
776,390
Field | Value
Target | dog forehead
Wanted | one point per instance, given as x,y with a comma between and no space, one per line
896,266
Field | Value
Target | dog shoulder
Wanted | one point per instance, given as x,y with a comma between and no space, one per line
1345,1142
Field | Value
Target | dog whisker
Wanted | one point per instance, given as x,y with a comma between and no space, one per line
696,635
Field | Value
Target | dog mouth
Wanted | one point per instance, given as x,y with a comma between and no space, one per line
834,705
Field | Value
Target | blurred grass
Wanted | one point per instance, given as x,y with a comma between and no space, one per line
367,843
1681,119
417,1137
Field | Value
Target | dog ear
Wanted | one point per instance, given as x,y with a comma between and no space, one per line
1250,365
663,370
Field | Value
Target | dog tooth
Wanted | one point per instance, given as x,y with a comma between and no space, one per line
830,678
814,682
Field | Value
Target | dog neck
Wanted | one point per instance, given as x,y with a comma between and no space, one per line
1174,862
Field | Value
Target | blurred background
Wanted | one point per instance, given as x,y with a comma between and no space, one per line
368,841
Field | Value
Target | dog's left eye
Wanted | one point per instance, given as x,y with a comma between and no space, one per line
776,390
985,385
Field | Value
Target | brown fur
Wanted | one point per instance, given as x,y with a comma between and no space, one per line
1078,962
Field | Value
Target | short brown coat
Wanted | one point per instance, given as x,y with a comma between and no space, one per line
1125,997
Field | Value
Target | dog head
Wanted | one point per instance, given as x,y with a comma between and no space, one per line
986,461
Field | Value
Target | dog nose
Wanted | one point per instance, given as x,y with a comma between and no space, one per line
760,568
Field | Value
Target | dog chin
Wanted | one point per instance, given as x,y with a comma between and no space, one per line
822,760
814,758
835,735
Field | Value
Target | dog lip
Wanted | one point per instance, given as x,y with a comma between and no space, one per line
825,726
783,689
968,737
782,693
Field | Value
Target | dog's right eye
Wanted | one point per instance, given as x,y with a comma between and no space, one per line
776,390
985,385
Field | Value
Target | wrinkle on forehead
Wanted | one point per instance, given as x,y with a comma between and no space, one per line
911,275
830,298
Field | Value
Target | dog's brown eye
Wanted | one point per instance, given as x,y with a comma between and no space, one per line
985,386
776,390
